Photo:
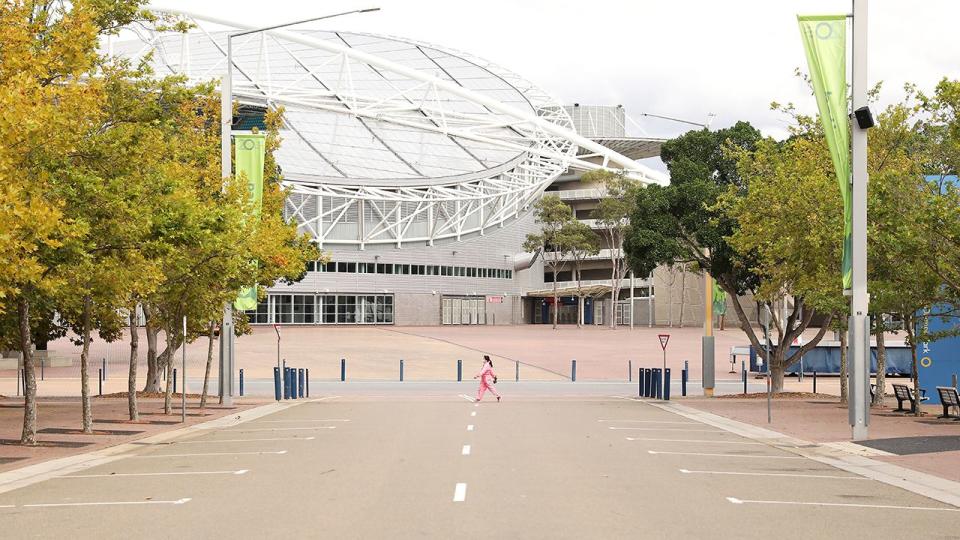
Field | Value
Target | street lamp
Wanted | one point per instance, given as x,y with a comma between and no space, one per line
226,121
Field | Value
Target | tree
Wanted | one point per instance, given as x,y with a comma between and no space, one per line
552,215
613,217
580,242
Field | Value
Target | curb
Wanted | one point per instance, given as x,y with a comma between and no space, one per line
32,474
840,456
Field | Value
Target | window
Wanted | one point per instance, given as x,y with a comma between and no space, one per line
261,315
283,308
303,309
352,267
346,309
311,266
329,309
331,267
341,267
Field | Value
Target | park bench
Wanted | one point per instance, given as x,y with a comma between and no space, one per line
949,398
903,393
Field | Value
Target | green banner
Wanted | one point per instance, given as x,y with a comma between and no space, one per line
825,42
249,155
719,300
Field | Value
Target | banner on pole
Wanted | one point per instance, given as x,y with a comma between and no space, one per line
825,43
249,155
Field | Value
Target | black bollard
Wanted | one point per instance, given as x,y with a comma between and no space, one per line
276,383
573,371
666,384
683,382
241,382
646,382
459,370
640,382
174,380
286,383
104,361
308,382
814,382
629,370
516,376
293,383
401,370
343,369
658,382
100,381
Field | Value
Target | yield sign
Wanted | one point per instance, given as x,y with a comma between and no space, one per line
664,338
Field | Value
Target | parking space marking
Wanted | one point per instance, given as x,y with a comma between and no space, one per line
753,456
204,441
470,427
466,450
172,473
305,420
791,475
473,413
107,503
691,440
460,493
735,500
7,506
466,397
278,452
666,429
280,429
327,397
649,422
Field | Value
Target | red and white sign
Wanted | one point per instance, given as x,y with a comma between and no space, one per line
664,338
494,299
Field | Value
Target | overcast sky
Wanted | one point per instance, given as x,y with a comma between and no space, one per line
679,58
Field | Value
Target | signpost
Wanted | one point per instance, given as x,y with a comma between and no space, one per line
276,329
664,338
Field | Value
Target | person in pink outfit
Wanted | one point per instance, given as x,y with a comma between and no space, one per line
487,379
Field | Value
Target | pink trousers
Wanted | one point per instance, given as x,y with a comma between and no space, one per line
483,388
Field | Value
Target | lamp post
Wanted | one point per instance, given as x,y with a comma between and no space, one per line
226,121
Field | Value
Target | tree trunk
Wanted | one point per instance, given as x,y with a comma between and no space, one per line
153,369
556,306
908,322
85,368
881,364
683,293
206,374
777,365
29,434
669,299
843,366
168,395
132,377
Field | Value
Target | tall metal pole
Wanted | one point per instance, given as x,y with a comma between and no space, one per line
859,332
707,344
183,369
226,327
766,334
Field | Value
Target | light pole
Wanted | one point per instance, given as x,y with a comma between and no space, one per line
226,169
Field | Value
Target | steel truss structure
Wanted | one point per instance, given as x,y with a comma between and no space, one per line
388,141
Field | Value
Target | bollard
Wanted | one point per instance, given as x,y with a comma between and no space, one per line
41,369
174,380
276,383
459,370
573,371
743,371
643,382
286,383
343,369
300,381
640,382
629,370
683,382
100,381
658,382
308,382
814,382
241,382
401,370
294,384
104,362
516,376
666,384
646,382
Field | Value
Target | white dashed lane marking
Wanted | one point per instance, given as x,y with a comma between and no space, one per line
460,493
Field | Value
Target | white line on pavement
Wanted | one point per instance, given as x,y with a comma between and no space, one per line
177,473
476,404
278,452
294,421
460,493
280,429
723,455
665,429
7,506
470,427
246,440
691,440
473,413
109,503
650,421
466,397
326,397
466,450
735,500
792,475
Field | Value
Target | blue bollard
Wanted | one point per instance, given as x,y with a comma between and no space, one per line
343,369
743,370
657,386
308,382
666,384
459,370
241,382
286,383
293,383
300,382
643,382
276,383
640,382
573,371
401,370
648,382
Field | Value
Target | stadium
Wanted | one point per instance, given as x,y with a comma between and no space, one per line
415,167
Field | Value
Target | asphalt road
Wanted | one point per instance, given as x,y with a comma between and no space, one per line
438,466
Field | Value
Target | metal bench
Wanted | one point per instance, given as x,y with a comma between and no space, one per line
903,393
949,398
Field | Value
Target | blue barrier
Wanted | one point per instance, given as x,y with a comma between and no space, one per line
286,382
276,383
657,384
300,382
666,384
308,382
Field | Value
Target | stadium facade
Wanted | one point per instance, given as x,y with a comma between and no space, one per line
415,167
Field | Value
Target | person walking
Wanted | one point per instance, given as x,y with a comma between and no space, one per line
487,379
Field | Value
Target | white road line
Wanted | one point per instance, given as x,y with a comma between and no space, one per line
792,475
466,397
177,473
460,493
294,421
280,429
111,503
650,421
278,452
466,450
470,427
7,506
691,440
327,397
666,429
473,413
245,440
735,500
723,455
475,404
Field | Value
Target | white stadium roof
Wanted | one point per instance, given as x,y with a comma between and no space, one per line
423,142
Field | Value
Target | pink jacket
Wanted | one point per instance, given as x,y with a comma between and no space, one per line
486,374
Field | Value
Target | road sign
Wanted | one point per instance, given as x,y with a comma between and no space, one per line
664,338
